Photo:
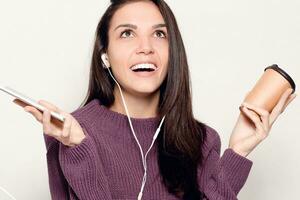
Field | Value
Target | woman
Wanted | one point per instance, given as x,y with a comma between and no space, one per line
101,153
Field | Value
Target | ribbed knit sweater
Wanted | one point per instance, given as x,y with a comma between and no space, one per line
107,163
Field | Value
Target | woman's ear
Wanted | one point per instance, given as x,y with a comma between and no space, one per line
104,59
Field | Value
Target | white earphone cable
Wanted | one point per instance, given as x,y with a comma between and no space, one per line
7,193
128,116
141,151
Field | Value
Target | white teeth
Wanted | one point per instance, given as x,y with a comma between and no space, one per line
144,66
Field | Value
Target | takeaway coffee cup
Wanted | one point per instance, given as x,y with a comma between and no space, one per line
269,88
265,94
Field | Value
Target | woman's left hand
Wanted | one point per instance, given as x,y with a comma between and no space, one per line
262,120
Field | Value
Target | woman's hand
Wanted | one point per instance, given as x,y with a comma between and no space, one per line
261,122
69,133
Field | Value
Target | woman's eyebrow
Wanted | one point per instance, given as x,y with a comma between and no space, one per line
135,27
159,26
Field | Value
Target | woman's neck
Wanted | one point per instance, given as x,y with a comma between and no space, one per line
138,106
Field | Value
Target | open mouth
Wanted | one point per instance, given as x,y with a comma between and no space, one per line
143,70
144,67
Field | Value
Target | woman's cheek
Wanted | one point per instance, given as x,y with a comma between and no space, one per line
164,54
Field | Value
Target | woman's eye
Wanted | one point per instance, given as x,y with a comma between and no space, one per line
161,34
126,33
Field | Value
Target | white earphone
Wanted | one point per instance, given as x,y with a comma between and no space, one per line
104,59
144,157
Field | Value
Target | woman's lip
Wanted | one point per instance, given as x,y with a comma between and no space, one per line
144,63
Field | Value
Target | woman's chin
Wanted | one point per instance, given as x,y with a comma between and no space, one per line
144,90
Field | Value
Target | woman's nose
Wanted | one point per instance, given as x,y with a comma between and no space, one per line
145,46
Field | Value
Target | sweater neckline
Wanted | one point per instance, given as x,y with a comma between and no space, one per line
121,120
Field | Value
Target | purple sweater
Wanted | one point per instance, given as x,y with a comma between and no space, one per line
107,164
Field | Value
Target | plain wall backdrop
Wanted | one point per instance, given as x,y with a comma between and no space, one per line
46,49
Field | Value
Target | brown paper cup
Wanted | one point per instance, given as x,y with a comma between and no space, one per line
265,94
269,88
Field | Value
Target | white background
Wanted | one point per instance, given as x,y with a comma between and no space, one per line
46,48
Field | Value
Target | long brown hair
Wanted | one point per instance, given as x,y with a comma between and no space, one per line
181,138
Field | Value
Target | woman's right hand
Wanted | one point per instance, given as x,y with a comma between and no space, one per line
69,133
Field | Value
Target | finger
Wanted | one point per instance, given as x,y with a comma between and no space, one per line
20,103
290,99
67,127
252,115
36,113
274,115
278,109
65,138
258,110
283,99
263,114
260,131
49,106
46,123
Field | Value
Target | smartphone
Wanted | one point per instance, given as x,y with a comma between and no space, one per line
30,101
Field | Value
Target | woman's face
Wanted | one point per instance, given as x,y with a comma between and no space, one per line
138,35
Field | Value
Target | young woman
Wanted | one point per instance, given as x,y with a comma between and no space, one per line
136,136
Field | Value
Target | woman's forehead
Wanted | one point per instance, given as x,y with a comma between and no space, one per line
140,13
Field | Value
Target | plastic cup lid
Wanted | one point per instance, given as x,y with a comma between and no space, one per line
284,74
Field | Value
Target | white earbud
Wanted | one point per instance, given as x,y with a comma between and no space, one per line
104,58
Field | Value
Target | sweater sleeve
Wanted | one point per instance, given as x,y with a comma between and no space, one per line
57,182
76,172
223,176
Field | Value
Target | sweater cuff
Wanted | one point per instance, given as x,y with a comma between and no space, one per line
237,168
80,152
